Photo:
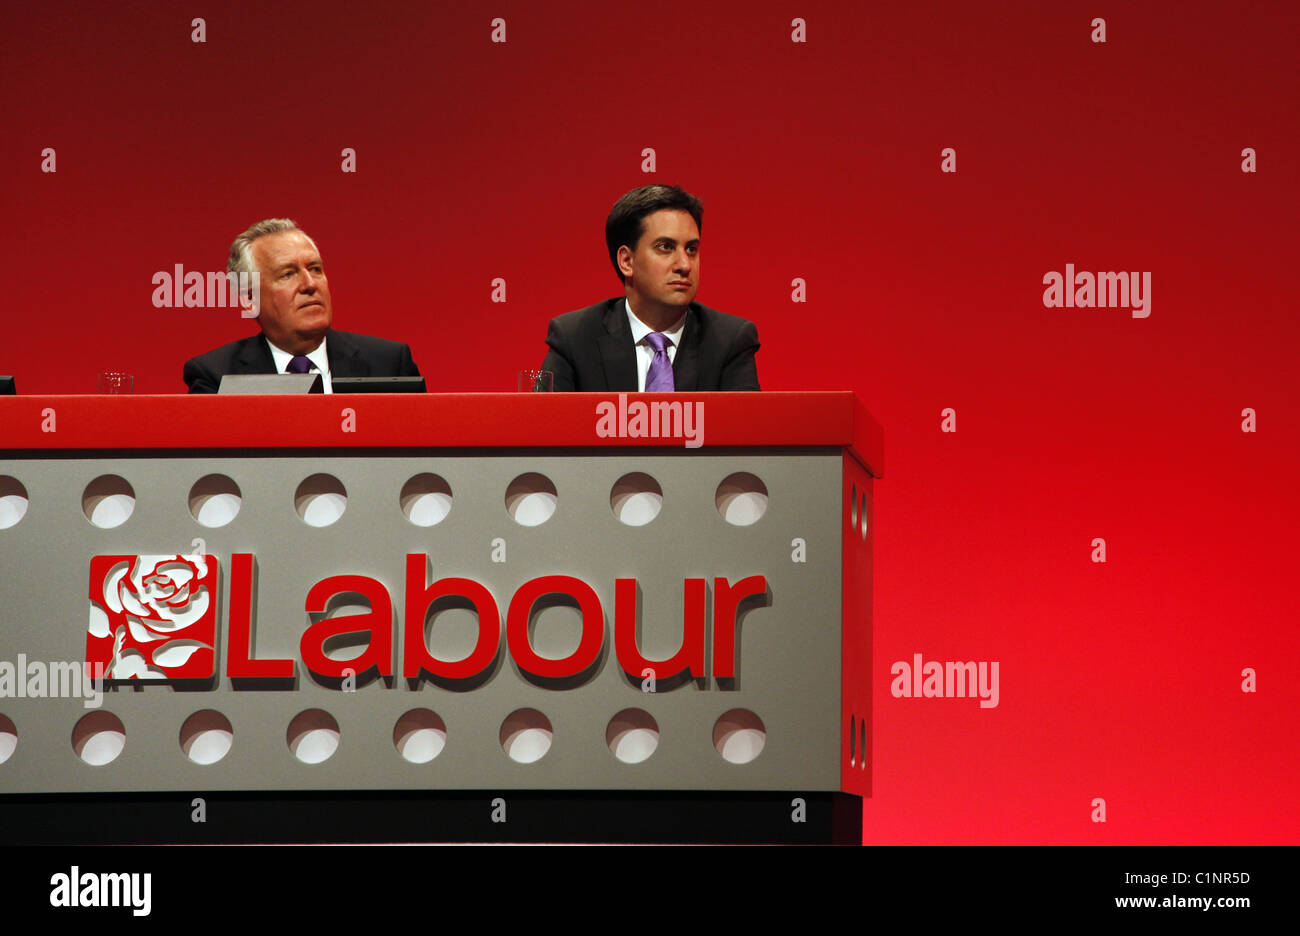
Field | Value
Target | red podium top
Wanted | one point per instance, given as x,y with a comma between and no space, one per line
442,420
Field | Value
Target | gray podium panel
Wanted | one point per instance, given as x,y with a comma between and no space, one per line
788,643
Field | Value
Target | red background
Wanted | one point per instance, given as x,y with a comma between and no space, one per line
817,160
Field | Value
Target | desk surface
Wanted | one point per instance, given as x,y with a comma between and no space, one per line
442,420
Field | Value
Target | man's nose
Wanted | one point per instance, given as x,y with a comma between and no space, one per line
683,260
308,281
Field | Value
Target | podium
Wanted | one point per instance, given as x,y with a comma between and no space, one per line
481,617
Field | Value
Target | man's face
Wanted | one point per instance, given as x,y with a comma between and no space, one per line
663,272
295,296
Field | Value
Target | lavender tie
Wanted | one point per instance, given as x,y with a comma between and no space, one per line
299,365
659,379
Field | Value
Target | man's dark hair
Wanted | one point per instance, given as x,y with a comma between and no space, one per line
625,224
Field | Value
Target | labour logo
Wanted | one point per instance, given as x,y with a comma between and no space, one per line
153,617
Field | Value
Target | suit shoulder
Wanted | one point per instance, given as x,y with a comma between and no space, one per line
227,352
202,373
592,317
364,341
713,320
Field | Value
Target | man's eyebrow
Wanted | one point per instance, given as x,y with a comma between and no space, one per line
293,264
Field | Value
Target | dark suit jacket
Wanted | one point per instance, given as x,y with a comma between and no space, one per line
350,355
592,350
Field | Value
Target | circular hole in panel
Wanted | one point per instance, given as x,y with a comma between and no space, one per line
739,736
313,736
853,740
862,514
741,498
214,500
526,735
420,736
636,498
425,500
853,506
13,501
206,737
531,499
632,735
98,738
8,738
320,500
108,501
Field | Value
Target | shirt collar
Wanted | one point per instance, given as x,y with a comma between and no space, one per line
640,329
319,357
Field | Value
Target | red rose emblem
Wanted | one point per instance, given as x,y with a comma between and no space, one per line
153,617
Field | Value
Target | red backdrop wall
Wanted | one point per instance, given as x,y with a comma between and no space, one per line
818,160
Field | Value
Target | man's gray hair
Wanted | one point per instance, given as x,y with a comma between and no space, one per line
241,251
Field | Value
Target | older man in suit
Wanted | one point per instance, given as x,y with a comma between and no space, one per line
295,314
655,337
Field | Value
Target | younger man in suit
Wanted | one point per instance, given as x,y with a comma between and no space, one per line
655,337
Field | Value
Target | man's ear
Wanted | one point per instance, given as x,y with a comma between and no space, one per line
624,257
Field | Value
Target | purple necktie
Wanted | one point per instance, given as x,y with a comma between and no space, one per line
659,379
299,365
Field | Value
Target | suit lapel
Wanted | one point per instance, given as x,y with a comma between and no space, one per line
617,353
254,357
686,362
345,357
